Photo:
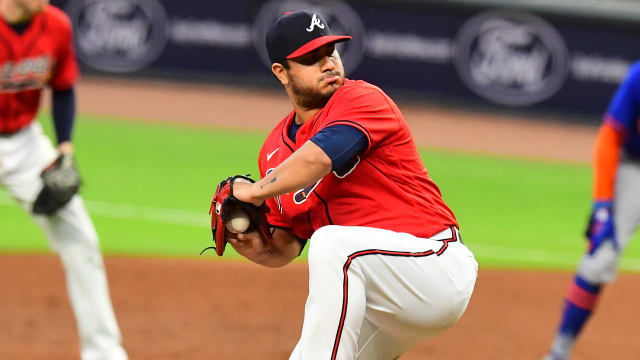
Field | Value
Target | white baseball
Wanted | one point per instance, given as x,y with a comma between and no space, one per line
238,221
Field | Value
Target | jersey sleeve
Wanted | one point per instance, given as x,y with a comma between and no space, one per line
341,143
66,69
606,156
368,110
623,108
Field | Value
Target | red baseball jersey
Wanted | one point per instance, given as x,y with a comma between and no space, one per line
41,56
386,187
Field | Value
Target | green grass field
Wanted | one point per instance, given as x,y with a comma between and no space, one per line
148,188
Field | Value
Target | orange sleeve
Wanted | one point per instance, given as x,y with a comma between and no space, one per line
606,155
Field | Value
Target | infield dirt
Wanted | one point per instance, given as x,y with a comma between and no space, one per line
214,309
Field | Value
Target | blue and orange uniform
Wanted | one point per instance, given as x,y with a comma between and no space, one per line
615,213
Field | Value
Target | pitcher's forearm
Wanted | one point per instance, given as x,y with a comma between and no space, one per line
303,168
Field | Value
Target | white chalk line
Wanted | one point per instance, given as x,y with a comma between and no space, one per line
484,252
134,212
541,257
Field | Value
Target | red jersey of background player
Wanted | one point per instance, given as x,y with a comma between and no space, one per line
387,178
42,55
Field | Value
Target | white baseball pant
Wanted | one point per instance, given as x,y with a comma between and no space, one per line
70,233
375,293
601,267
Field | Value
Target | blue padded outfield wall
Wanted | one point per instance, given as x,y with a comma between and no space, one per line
507,57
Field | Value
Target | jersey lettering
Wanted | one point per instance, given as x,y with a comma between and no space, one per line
303,194
26,74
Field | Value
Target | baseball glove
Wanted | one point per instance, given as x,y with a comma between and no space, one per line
601,226
224,203
61,181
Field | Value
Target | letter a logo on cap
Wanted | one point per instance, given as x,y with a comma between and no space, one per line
315,22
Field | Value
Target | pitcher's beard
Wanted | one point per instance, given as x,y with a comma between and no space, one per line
309,97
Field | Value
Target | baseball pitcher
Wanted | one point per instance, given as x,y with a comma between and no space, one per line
36,50
615,213
387,266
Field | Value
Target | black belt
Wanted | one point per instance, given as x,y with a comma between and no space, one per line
627,156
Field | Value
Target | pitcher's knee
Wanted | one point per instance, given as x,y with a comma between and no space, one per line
326,244
326,233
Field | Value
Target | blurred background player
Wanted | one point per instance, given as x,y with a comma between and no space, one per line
615,214
36,51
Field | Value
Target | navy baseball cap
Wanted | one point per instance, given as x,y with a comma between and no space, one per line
297,33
